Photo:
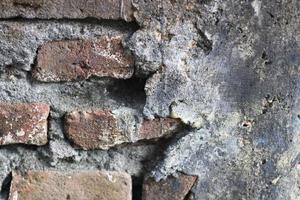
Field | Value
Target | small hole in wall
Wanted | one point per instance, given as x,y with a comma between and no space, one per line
68,197
247,123
130,91
264,55
264,161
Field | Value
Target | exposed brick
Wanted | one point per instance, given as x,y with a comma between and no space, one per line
158,127
171,188
102,129
80,59
24,123
93,129
83,185
42,9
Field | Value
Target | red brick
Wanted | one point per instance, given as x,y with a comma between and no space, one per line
93,129
24,123
74,9
80,59
101,129
171,188
158,127
83,185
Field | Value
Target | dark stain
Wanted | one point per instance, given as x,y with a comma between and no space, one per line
204,43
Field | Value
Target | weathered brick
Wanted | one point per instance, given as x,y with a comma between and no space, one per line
102,129
171,188
23,123
42,9
158,127
80,59
83,185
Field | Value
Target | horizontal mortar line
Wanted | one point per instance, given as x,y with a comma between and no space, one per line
88,20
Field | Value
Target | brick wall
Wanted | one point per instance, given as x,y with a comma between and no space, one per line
149,99
71,105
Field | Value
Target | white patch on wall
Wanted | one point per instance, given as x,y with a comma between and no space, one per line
256,4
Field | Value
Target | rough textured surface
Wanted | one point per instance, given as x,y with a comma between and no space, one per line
84,185
102,129
171,188
101,9
23,123
228,69
80,59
